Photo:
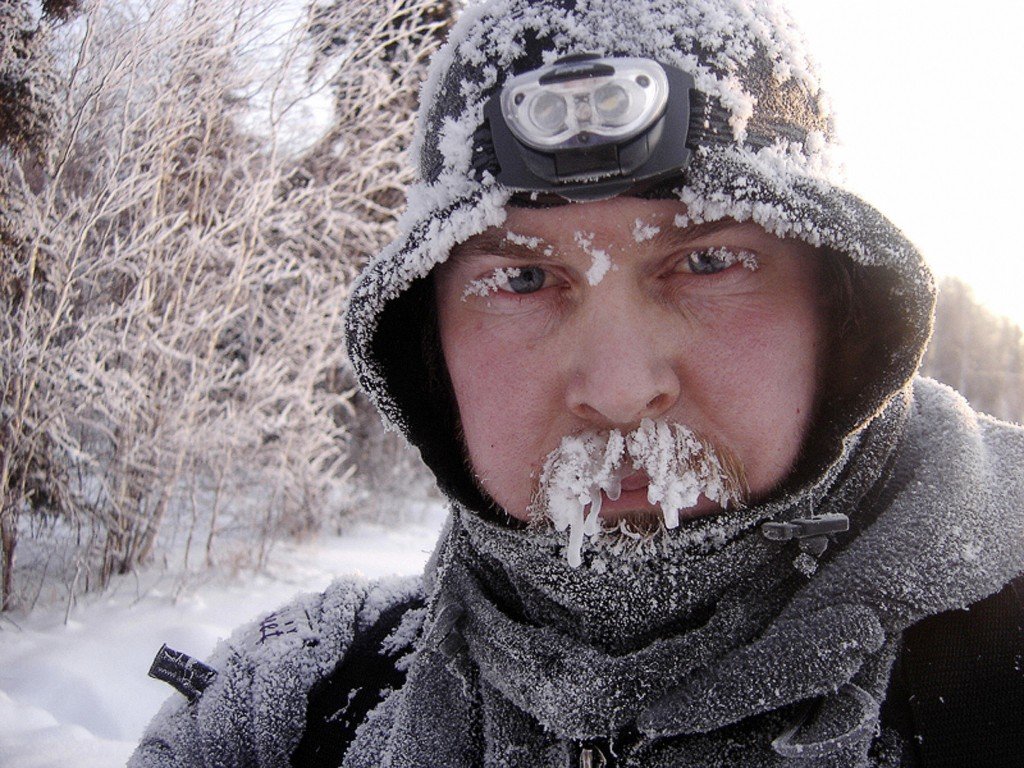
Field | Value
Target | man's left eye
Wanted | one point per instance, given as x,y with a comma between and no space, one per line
711,261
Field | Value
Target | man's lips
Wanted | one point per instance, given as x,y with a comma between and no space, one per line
633,500
635,482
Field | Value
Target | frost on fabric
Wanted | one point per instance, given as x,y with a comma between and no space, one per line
453,146
384,593
765,193
404,636
265,671
953,533
600,261
584,469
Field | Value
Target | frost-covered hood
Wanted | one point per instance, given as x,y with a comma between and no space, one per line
762,153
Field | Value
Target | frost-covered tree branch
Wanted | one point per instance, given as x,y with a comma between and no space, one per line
174,274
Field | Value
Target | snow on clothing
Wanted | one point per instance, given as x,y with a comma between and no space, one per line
705,646
541,665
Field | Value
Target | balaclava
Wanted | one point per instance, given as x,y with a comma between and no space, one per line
707,643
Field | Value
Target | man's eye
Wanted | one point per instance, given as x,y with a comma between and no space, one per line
518,280
708,262
525,279
711,261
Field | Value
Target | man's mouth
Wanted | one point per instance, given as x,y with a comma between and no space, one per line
627,500
635,482
660,471
632,505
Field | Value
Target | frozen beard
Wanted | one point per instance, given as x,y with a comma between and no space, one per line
679,465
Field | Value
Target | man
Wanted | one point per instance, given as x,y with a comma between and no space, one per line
703,514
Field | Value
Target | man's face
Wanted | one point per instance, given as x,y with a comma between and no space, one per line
595,316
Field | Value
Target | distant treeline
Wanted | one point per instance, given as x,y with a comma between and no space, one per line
978,353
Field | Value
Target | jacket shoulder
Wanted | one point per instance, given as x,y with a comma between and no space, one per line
988,453
253,713
957,689
373,667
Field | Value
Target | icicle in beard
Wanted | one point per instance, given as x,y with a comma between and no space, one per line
680,467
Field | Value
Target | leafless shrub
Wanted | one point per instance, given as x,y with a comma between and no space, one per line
175,269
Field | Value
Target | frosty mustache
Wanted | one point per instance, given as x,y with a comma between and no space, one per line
680,466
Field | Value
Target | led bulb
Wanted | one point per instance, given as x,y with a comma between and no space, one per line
547,112
612,103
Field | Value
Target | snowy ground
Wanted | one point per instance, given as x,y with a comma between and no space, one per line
77,694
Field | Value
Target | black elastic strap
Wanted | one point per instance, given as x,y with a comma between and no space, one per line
339,703
188,676
961,678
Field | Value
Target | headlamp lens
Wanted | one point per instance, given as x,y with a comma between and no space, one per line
565,104
612,104
547,112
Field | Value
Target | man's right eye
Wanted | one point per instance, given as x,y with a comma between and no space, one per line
524,280
521,281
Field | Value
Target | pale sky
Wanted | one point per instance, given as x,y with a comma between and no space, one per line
928,98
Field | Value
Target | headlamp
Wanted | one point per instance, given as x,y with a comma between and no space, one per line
587,127
571,105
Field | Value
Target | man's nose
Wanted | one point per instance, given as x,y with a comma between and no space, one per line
622,368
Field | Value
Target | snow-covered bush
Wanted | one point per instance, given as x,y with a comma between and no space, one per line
174,271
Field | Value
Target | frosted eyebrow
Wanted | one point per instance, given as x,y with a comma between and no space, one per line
493,243
496,242
670,237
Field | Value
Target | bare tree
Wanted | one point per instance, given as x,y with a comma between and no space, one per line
28,107
175,275
28,79
373,57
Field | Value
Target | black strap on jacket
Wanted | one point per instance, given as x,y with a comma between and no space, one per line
958,688
339,703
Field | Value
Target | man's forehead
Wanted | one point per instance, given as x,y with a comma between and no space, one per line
538,230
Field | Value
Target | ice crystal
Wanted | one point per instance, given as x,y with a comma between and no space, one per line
585,469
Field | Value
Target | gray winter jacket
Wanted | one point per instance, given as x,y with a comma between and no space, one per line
511,693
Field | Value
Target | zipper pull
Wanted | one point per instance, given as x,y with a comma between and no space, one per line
811,533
